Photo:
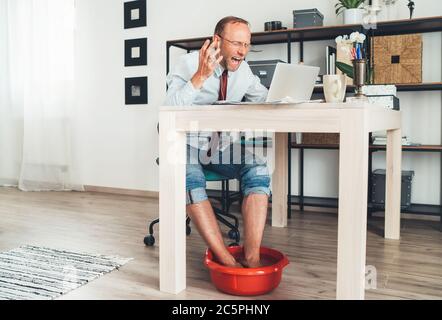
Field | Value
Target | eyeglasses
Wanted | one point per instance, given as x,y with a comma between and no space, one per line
237,44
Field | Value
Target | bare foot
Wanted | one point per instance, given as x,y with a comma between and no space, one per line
250,263
230,261
237,265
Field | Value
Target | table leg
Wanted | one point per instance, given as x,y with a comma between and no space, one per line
352,215
279,181
393,185
172,206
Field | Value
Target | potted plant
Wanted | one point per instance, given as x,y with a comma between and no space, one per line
353,13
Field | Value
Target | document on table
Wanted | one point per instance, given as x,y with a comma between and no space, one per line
283,101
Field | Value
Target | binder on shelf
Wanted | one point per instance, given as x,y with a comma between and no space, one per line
330,60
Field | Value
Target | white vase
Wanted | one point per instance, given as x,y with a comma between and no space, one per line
354,16
389,11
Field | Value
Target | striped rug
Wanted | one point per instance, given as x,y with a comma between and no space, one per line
30,273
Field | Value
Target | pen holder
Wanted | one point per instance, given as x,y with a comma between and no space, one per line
359,76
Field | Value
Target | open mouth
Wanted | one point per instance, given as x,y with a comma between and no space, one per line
236,61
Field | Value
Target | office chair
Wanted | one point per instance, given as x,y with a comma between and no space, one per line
226,199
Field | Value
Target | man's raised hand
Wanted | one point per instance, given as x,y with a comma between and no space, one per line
208,60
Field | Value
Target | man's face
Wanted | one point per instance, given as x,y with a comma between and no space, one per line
234,45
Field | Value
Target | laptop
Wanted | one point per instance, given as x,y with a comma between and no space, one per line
291,83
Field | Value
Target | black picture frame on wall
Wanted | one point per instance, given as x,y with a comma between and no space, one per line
135,14
135,52
136,90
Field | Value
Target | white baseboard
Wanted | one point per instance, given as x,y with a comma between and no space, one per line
120,191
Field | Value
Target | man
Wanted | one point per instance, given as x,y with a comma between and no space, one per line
218,72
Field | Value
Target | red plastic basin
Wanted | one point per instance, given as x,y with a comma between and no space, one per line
247,281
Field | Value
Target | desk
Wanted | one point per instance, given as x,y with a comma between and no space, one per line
353,121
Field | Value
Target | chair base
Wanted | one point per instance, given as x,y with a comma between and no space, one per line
233,233
225,200
149,240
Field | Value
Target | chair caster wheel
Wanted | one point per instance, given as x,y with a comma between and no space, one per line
149,240
188,230
233,234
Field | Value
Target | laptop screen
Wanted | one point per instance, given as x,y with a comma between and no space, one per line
294,82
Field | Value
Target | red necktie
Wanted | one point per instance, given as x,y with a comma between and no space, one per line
222,95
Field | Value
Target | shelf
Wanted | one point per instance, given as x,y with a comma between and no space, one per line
430,86
429,209
333,203
314,146
304,34
316,202
407,26
277,37
421,148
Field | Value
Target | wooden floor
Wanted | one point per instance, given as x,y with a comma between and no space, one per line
115,224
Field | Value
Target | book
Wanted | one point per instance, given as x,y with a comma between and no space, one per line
379,90
389,101
382,140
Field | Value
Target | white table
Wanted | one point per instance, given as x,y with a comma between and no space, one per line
353,121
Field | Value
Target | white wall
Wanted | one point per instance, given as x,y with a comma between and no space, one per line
118,143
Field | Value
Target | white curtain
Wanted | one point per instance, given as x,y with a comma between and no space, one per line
37,94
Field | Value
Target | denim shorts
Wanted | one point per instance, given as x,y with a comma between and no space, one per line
234,162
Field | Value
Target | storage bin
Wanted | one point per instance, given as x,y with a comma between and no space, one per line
318,138
378,188
264,69
307,18
397,59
